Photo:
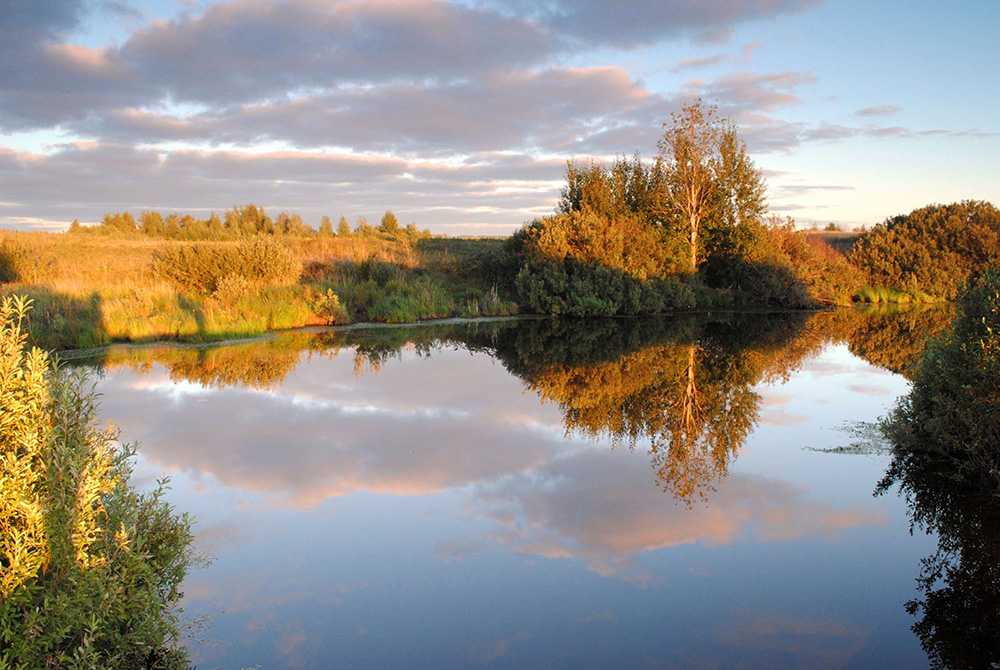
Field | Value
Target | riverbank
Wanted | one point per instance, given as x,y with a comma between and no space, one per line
93,290
98,287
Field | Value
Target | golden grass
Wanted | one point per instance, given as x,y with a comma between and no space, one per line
92,289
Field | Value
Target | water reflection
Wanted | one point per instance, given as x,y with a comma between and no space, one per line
684,387
958,618
945,457
364,484
680,387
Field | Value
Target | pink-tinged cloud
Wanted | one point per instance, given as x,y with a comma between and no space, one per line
647,21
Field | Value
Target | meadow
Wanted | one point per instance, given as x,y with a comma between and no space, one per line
93,289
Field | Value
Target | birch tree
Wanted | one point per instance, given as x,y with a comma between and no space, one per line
711,186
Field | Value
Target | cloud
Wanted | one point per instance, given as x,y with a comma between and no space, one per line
814,641
790,189
647,21
495,189
697,63
253,50
739,91
324,433
879,110
34,22
505,110
748,49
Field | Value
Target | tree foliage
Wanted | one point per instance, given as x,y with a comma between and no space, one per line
713,193
626,187
389,224
952,414
694,209
204,267
242,221
946,462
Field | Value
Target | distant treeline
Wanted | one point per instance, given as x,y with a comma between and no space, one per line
239,222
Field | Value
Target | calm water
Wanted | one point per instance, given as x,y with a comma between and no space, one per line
534,493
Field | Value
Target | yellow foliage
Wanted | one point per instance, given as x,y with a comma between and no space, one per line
50,497
24,430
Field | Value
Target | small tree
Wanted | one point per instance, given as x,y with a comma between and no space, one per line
710,183
151,224
325,227
343,228
389,224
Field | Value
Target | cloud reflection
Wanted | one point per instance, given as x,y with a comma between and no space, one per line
416,429
588,506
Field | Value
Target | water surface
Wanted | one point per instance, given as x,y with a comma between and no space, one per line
538,493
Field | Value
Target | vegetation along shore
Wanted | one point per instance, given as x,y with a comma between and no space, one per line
685,229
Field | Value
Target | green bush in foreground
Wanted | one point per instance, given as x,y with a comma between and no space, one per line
91,567
576,289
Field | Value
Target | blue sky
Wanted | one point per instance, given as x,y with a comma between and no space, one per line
459,116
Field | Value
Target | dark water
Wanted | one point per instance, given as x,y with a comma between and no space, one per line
654,493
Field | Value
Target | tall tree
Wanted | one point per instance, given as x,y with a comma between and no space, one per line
711,185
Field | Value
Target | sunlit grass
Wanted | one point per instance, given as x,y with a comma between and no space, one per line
882,294
92,290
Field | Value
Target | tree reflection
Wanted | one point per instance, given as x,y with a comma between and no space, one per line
895,338
681,386
254,365
959,621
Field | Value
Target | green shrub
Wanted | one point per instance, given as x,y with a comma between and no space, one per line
267,262
576,289
952,414
201,267
91,567
380,272
329,308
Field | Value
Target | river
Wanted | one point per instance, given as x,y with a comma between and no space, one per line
690,491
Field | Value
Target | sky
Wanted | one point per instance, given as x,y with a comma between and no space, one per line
459,116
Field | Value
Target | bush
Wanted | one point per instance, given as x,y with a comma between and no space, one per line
91,567
328,308
625,242
18,264
202,267
952,414
575,289
933,250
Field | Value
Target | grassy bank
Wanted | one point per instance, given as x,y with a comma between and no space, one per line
91,290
